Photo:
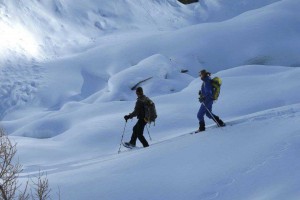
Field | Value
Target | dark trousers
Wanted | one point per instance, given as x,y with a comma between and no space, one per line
138,131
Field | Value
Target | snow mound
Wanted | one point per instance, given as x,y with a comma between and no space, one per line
155,74
249,88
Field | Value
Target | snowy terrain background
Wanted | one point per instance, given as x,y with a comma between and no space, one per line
67,69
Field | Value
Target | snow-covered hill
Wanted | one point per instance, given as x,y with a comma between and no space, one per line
265,36
255,158
38,29
67,73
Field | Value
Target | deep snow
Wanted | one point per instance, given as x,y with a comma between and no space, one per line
63,97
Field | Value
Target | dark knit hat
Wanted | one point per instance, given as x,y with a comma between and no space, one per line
139,91
204,73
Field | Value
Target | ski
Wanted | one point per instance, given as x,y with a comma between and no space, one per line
210,127
197,131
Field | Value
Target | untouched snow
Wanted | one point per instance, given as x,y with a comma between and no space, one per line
232,163
67,73
39,28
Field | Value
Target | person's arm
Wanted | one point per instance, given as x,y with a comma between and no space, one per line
135,111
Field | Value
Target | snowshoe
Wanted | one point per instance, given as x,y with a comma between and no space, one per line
128,145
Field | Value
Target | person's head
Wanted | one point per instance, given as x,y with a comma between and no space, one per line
139,91
203,73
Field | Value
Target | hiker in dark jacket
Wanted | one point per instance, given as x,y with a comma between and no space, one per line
206,100
139,112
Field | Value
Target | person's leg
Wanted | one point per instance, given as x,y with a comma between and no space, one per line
134,135
200,117
212,116
201,126
140,132
218,121
208,109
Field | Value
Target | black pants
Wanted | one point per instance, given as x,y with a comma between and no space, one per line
138,131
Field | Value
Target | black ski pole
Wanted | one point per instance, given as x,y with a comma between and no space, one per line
211,115
122,137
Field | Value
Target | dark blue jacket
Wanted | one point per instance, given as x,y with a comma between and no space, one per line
207,89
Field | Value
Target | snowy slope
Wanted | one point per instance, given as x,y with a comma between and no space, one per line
37,29
66,113
220,10
271,37
234,163
241,157
254,158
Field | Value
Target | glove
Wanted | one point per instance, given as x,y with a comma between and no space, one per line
201,99
126,117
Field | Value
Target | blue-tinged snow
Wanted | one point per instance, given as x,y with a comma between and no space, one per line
67,73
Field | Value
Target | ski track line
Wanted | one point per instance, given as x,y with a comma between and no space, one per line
275,155
223,185
285,112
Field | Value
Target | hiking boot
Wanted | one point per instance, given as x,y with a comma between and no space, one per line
201,126
219,122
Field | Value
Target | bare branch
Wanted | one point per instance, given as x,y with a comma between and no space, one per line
9,173
41,187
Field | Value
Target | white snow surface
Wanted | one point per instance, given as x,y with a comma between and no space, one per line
67,73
